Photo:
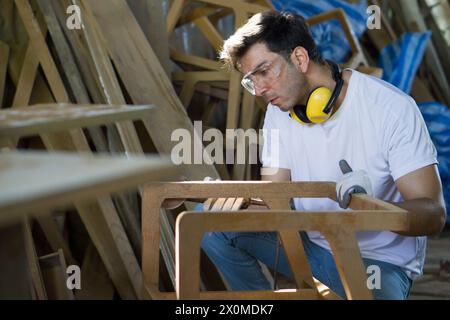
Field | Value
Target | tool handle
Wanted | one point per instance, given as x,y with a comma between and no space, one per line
345,167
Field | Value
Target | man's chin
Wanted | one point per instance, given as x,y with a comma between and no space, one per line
284,108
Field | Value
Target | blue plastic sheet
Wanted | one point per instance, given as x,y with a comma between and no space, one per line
401,59
329,36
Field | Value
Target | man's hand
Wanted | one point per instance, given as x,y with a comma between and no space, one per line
351,182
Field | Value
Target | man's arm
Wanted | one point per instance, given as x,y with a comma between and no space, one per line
423,198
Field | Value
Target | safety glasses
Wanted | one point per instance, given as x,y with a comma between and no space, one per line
264,74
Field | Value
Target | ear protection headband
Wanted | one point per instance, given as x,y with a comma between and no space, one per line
320,102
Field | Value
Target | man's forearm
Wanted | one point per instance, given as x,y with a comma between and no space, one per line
426,217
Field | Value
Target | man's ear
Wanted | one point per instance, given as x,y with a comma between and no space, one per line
300,59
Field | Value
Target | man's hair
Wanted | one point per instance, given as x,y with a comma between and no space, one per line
282,32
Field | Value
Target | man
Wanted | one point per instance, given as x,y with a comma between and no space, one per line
375,127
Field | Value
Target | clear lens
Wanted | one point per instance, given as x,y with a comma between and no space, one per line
268,73
248,84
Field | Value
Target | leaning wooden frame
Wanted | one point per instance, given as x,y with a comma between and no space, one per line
338,227
60,127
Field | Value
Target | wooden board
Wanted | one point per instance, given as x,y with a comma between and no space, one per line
4,57
36,180
143,77
63,117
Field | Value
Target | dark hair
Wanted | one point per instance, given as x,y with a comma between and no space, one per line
282,32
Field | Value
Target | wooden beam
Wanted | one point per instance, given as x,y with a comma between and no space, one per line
41,50
4,58
33,261
47,118
143,77
151,18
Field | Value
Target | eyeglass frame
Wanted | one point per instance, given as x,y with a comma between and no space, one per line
246,78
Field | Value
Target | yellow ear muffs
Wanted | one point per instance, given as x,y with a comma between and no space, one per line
317,102
320,102
298,114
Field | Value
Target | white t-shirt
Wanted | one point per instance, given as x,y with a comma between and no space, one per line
378,129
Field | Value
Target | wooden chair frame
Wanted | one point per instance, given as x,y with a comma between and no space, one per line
338,227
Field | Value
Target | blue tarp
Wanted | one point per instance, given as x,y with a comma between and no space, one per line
401,59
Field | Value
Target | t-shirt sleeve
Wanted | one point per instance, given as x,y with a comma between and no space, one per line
408,143
274,152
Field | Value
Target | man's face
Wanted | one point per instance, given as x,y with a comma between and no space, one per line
275,79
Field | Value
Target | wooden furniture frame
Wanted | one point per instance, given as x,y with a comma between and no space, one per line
338,227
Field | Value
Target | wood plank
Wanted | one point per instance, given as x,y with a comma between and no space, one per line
38,180
4,58
174,14
143,77
210,32
48,118
349,263
28,71
110,85
33,262
151,18
195,61
54,236
37,41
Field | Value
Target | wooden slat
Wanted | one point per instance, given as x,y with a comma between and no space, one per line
210,32
28,72
151,17
48,118
54,236
293,248
4,58
174,14
349,262
33,262
54,268
37,41
37,180
143,76
110,85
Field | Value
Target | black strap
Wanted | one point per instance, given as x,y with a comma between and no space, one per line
337,76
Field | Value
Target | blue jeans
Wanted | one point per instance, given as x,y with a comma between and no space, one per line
236,255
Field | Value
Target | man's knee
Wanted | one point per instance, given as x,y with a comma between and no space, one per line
215,242
387,281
